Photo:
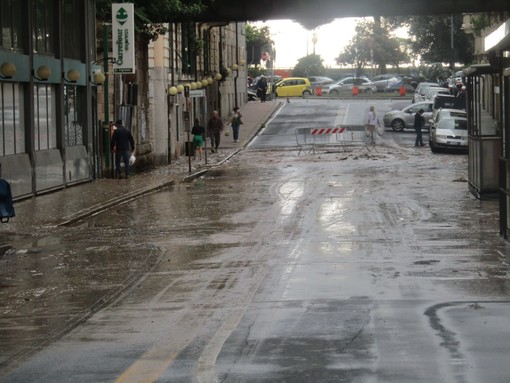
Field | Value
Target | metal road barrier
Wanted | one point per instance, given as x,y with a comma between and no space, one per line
309,140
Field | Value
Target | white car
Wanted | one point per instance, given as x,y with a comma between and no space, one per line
441,113
449,133
404,118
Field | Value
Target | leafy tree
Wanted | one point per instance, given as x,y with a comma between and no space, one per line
431,38
311,24
373,42
257,40
151,14
310,65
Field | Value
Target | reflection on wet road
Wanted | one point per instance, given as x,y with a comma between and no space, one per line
336,267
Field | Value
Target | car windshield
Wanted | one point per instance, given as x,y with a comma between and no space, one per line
453,123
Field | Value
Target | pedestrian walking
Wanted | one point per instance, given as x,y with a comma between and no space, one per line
123,145
198,132
236,122
372,124
419,123
214,128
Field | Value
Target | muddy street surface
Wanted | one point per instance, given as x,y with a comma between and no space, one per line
343,266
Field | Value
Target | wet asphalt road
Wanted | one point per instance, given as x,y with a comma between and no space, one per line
350,266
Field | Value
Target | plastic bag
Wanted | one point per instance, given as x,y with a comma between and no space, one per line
132,159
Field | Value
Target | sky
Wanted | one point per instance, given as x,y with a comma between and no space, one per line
292,41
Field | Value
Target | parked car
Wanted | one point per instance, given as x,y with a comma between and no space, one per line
442,113
345,85
252,89
434,91
395,87
293,87
449,133
399,120
382,81
320,80
422,87
449,102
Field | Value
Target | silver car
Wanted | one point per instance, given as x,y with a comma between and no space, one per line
404,118
421,89
449,133
345,85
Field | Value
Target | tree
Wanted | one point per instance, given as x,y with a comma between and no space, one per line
151,14
310,65
431,38
373,43
257,40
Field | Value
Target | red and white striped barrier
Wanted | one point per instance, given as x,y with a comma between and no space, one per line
327,130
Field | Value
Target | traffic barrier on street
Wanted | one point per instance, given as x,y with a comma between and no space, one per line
309,140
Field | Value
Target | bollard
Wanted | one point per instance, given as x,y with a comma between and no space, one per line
318,91
402,91
355,90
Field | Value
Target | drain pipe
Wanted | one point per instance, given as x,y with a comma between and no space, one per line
237,63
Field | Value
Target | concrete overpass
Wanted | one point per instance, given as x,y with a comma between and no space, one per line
242,10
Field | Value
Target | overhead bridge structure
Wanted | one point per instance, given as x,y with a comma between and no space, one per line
242,10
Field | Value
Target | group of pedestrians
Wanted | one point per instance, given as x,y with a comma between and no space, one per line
215,128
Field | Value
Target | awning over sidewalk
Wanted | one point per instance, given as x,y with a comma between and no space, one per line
499,40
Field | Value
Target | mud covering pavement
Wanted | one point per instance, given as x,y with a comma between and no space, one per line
46,287
75,203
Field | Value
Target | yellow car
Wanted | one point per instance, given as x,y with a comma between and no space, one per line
293,87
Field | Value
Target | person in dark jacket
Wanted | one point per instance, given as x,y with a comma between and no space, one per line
214,129
419,123
122,144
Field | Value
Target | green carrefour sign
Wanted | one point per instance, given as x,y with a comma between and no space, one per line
123,33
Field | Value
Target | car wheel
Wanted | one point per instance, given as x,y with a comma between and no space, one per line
433,148
306,93
333,92
398,125
368,90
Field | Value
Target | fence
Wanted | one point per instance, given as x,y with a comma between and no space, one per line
309,140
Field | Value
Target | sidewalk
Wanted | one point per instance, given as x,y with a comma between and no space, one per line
77,202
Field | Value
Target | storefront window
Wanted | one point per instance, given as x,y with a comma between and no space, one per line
12,133
44,114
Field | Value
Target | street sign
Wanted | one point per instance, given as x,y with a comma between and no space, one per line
197,93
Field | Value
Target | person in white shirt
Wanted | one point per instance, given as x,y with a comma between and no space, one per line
372,123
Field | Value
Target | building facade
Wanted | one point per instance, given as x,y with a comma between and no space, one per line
47,103
210,60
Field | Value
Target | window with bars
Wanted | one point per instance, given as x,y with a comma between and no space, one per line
12,133
11,25
188,48
72,29
73,125
45,132
44,26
